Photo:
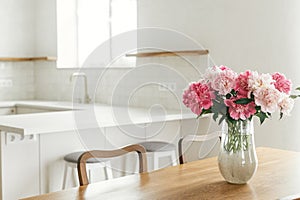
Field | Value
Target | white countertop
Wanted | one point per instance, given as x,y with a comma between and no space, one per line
81,116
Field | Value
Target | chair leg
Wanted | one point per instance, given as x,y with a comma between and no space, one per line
155,161
75,177
90,175
173,158
158,155
106,167
108,170
65,176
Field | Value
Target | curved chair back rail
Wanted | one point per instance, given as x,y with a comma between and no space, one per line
81,164
195,138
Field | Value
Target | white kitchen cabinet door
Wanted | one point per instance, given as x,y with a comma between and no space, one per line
19,166
168,131
163,131
55,146
120,136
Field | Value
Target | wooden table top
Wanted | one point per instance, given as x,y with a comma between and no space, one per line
277,176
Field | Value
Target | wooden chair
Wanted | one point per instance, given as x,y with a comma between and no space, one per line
81,164
195,138
70,162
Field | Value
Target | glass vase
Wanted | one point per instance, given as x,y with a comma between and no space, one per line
237,158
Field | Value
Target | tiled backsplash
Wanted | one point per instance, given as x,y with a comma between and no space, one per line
51,83
17,81
158,81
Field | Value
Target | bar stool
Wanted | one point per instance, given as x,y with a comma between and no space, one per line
93,163
159,150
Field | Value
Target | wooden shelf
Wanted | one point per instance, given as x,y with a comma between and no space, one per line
20,59
169,53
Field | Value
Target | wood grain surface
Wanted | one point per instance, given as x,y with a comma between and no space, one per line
278,176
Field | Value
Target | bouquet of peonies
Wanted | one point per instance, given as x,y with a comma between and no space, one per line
234,97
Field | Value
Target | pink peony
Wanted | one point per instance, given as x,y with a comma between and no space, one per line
267,98
240,111
281,83
223,67
198,97
224,81
241,85
265,93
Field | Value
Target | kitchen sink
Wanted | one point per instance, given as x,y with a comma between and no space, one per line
29,109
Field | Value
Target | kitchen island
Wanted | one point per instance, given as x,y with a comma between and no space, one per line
35,136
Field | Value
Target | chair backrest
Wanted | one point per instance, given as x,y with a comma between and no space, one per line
81,163
195,138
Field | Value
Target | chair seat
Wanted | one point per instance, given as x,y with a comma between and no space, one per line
154,146
73,158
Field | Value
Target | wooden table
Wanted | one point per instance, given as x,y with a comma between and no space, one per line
278,176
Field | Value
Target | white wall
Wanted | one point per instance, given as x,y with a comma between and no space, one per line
138,87
239,33
258,35
17,21
45,40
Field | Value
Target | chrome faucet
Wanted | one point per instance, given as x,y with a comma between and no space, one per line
87,99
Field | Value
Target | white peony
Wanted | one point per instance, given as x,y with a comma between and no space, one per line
286,104
257,81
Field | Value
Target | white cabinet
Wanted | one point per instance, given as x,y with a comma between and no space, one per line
54,146
120,136
35,165
19,167
163,131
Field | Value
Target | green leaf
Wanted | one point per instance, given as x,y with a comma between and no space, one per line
218,108
294,96
222,119
215,116
262,116
204,112
298,88
228,96
243,101
281,115
233,92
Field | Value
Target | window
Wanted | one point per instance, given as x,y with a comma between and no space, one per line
84,25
